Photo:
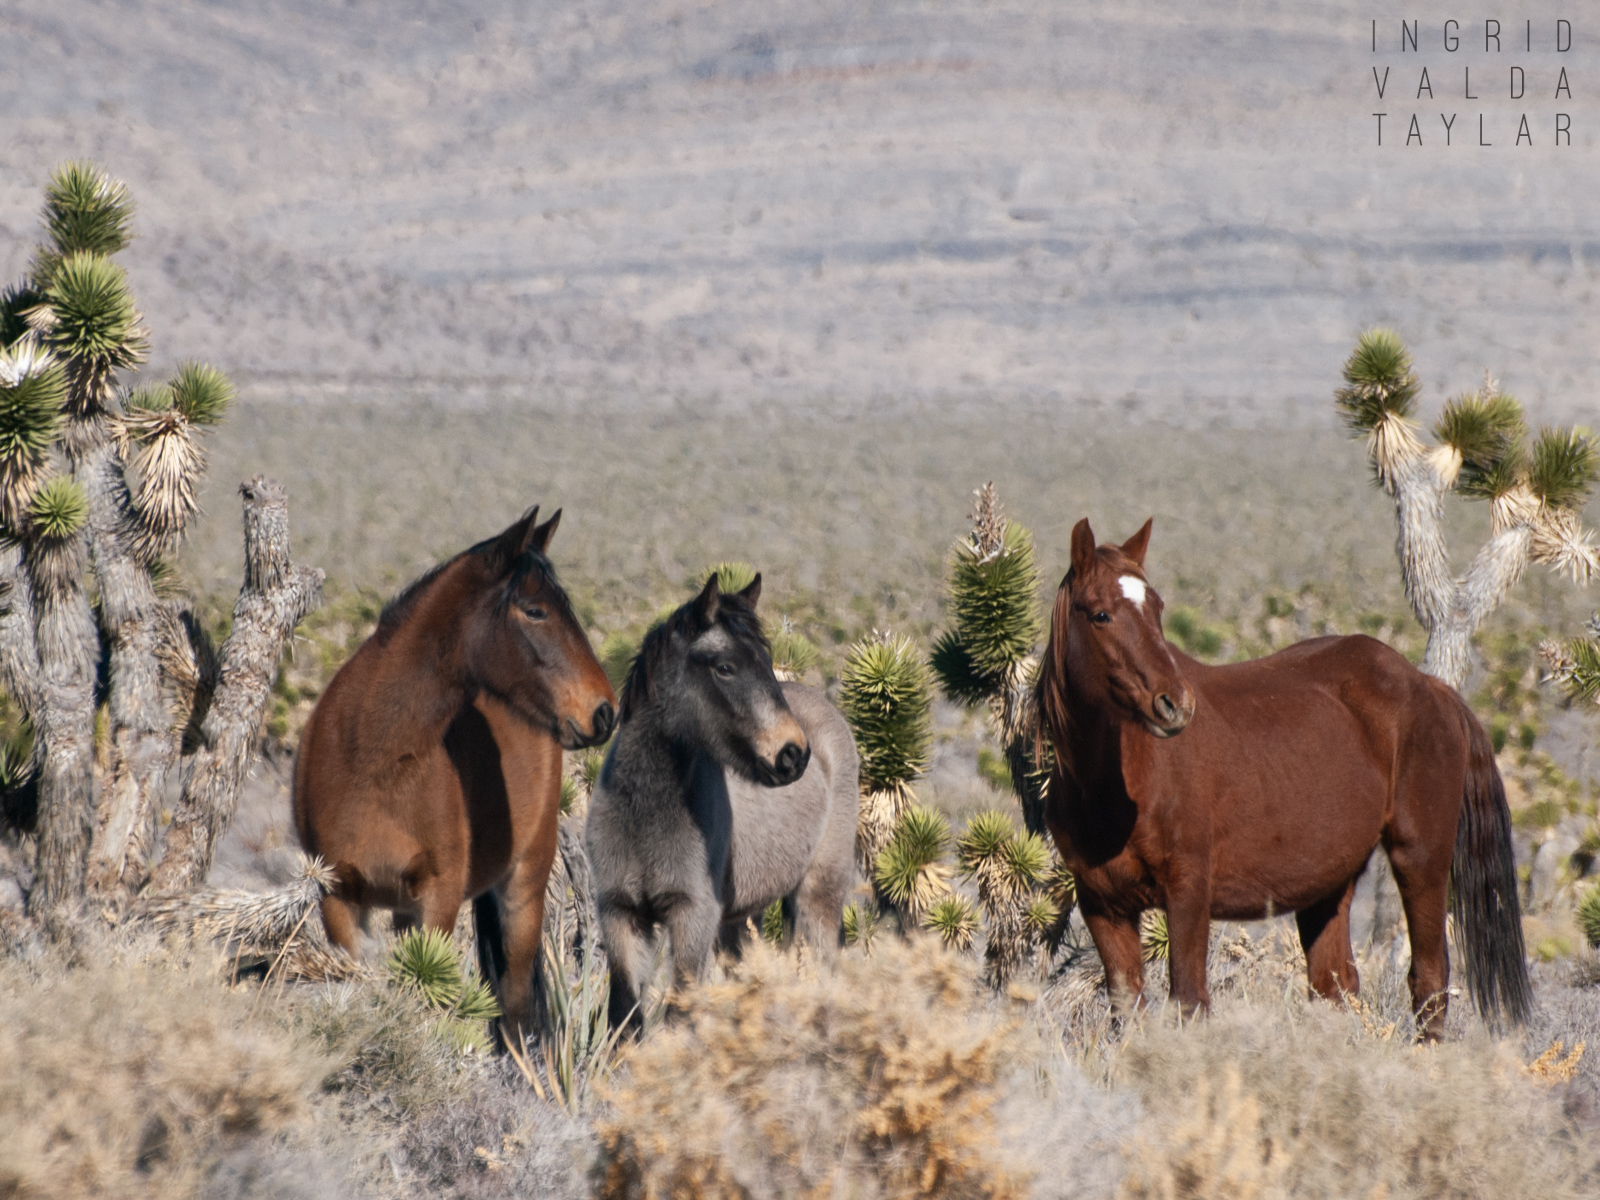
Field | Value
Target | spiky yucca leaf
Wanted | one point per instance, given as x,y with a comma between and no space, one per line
1379,381
1497,477
1026,859
593,761
1040,915
1562,467
772,923
59,509
1480,426
1061,887
731,576
860,924
886,698
792,653
1577,667
1589,915
958,675
85,210
908,871
1153,935
983,840
168,464
91,316
569,793
16,765
995,599
32,389
476,1002
15,304
201,393
426,960
955,919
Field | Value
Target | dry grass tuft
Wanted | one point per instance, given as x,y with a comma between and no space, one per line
1313,1105
135,1079
879,1080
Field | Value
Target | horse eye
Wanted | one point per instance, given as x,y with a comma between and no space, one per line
1101,618
725,670
536,613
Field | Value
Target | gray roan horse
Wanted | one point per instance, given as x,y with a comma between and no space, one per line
706,810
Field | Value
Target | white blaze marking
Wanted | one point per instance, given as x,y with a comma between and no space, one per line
1133,588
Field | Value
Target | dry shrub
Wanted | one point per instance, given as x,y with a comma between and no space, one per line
1311,1105
880,1078
134,1079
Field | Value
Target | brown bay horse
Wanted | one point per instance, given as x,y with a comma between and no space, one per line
430,770
1238,792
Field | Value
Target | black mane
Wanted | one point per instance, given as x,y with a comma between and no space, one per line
735,615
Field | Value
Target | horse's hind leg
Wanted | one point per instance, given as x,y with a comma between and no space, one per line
344,921
1325,936
818,906
1424,881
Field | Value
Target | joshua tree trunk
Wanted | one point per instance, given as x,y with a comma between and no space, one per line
64,725
276,597
143,744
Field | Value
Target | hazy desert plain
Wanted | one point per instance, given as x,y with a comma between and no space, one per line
783,283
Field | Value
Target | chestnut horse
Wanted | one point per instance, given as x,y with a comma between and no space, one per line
430,770
1236,792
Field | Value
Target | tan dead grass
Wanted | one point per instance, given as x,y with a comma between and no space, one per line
1299,1099
132,1078
878,1080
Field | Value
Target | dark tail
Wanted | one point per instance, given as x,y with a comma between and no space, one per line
1484,901
491,948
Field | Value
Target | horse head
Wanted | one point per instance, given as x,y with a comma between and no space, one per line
707,671
1106,639
525,646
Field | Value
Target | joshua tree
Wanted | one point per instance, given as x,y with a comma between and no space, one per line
988,658
1575,664
1535,487
886,698
1009,866
97,485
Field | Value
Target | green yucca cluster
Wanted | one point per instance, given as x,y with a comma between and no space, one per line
1589,915
860,924
1485,428
1154,943
793,654
955,919
993,593
425,960
886,698
85,212
772,923
1024,895
909,871
1379,381
731,576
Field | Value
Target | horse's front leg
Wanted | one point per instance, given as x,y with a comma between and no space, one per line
522,922
693,924
1116,940
1188,944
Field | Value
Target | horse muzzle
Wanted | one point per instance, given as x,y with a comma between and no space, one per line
601,723
1169,716
787,766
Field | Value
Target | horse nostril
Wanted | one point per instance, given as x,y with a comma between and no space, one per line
602,721
790,761
1165,708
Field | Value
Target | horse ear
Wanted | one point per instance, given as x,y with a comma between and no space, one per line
752,590
1083,556
543,534
1135,546
708,603
508,547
